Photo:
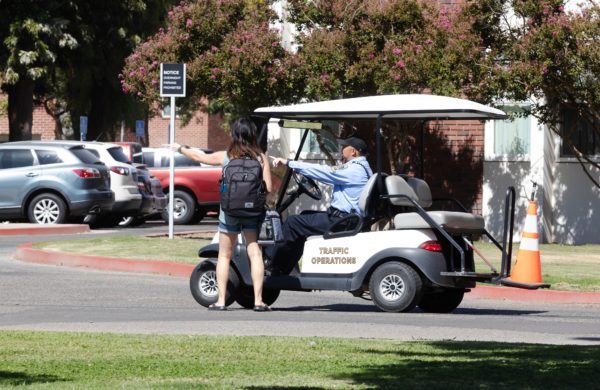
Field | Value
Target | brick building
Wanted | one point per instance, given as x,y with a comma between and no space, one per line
203,130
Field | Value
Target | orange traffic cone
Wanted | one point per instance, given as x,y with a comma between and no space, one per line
527,272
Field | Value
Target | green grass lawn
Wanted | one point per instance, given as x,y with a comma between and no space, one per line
565,267
573,268
107,361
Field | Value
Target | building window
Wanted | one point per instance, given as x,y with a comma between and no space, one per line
512,137
581,133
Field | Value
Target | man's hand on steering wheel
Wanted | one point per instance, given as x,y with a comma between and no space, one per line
307,185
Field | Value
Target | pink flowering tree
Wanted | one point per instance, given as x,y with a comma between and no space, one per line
234,58
550,57
363,47
360,47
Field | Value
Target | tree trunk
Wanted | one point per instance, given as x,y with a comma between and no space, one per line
20,110
99,127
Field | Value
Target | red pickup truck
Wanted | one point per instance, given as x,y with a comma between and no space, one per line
196,185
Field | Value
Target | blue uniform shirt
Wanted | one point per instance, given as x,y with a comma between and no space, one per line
348,180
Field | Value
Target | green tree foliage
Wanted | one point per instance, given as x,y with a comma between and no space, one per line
550,57
68,54
358,47
33,37
347,48
485,50
107,32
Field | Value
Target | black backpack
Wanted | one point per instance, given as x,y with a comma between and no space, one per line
242,188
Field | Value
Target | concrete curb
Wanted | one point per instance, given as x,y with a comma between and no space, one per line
29,229
538,296
26,253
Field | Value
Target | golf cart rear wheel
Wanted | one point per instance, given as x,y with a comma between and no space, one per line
203,284
395,287
245,296
441,302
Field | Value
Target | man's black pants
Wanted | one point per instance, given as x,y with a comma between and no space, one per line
296,228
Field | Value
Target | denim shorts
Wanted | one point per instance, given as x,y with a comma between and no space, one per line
229,224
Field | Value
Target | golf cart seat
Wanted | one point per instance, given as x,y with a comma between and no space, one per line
370,206
369,202
415,193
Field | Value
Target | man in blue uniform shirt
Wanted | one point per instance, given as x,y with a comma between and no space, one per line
348,182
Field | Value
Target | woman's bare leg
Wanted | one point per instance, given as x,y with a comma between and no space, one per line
257,266
226,241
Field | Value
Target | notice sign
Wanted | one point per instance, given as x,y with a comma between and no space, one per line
172,80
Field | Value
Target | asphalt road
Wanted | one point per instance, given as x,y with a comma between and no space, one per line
41,297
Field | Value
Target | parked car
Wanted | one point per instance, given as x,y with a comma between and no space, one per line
133,151
48,183
154,200
123,181
196,185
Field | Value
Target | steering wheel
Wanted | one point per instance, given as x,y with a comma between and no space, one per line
307,185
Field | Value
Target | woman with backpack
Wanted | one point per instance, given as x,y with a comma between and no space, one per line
246,181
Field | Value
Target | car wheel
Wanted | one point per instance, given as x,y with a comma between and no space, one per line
203,284
131,221
395,287
245,296
184,208
47,209
441,302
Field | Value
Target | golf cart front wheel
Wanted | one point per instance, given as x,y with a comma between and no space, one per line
395,287
204,288
245,296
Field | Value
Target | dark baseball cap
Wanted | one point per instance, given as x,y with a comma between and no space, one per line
356,142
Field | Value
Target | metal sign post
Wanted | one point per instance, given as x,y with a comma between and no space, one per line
83,125
172,84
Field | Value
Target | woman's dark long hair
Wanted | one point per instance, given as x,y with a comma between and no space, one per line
243,142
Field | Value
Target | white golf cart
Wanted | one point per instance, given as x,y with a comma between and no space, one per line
423,258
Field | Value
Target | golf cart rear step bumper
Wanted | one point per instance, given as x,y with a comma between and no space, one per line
480,277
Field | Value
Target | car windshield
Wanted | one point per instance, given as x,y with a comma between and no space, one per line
118,154
85,155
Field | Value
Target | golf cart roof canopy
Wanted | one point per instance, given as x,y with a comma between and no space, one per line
411,106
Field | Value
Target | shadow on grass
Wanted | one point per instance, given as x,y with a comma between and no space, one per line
12,378
483,365
471,365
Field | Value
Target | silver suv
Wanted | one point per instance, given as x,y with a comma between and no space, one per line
123,178
48,183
